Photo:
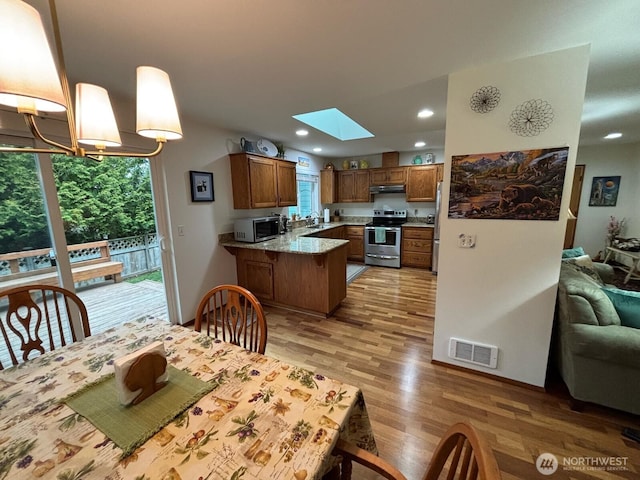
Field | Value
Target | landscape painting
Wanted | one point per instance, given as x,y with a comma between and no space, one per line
518,185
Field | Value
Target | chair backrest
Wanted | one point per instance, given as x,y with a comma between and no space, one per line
39,318
233,314
461,454
464,454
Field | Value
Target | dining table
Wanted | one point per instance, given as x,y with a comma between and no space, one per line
250,416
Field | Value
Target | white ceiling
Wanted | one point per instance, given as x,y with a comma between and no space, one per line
249,65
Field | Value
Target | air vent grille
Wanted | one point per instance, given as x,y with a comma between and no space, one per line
472,352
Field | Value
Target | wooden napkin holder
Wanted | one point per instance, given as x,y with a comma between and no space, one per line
140,374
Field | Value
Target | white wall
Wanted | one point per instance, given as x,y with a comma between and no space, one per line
604,161
502,292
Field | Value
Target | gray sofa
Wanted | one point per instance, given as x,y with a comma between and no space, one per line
597,357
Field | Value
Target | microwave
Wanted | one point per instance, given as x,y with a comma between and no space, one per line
255,230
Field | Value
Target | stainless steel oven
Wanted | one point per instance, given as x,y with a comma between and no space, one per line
383,238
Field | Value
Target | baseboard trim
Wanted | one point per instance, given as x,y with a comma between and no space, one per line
491,376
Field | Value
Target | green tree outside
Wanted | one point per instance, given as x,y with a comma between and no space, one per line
108,199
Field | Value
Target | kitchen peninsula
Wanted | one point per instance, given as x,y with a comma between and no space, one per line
294,270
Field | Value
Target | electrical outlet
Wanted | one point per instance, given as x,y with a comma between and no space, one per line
415,212
342,211
466,240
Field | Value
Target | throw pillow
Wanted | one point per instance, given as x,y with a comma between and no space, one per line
627,304
584,265
573,252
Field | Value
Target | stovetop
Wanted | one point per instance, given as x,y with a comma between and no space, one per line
388,218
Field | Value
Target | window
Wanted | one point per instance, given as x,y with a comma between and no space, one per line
308,195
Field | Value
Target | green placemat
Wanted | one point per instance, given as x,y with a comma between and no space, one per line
131,426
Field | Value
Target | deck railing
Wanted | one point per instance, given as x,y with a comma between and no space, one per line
139,254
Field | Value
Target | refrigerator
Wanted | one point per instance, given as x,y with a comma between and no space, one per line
436,231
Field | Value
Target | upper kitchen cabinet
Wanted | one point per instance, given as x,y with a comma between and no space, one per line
328,186
421,183
440,175
353,186
388,176
262,182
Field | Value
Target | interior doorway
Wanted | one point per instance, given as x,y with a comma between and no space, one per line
574,206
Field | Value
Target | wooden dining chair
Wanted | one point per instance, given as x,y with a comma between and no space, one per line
39,318
233,314
461,454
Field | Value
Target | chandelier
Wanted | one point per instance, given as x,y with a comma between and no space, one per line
30,83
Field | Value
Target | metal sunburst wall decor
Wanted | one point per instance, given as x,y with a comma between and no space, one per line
485,99
531,118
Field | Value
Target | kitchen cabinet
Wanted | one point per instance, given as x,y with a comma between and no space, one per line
440,172
355,235
259,278
417,244
353,186
311,283
261,182
328,186
388,176
422,183
390,159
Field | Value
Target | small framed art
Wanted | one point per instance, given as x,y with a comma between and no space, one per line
201,186
604,191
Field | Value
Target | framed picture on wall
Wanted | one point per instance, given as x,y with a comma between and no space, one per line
604,191
201,186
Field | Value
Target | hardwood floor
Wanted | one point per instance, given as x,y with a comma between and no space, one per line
380,339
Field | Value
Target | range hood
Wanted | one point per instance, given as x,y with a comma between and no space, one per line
387,189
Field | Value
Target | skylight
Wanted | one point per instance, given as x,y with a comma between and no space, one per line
335,123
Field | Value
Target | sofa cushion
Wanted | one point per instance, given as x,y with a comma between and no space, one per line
584,265
582,299
613,344
627,304
573,252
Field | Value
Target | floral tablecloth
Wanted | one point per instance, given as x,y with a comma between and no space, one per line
263,419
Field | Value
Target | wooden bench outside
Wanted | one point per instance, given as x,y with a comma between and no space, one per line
81,270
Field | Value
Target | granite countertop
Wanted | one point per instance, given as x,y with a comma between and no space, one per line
295,241
418,224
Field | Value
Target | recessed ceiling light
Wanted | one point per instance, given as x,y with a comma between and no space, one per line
420,144
426,113
613,135
317,149
335,123
302,132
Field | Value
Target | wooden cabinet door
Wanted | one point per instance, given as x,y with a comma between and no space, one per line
328,187
361,186
346,186
440,174
263,182
355,235
387,176
378,176
421,183
416,247
259,277
396,176
287,185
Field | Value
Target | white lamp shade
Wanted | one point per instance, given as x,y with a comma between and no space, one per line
95,122
157,114
28,76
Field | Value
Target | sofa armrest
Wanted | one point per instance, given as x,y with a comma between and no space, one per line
611,343
604,271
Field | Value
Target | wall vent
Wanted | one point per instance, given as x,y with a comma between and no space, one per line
472,352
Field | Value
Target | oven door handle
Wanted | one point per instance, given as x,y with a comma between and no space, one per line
382,257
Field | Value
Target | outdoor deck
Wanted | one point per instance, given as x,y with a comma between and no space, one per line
111,304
